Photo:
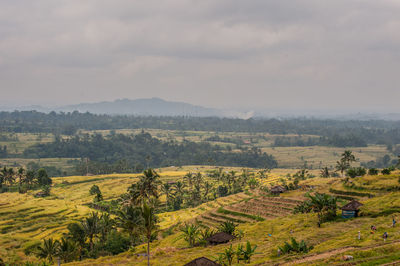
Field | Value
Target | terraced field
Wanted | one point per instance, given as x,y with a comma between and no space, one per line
249,209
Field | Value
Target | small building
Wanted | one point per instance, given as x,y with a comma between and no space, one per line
277,190
220,238
202,261
351,209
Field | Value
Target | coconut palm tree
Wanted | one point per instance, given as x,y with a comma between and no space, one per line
130,220
48,250
348,157
188,178
149,225
191,233
91,227
166,189
145,188
68,250
106,224
325,172
323,205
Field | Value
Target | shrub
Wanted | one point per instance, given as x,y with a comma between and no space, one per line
228,227
356,171
295,247
386,171
373,171
116,242
222,191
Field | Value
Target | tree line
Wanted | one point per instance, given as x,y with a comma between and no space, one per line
136,152
371,131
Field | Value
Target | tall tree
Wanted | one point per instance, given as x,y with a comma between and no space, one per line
91,227
149,225
130,220
146,187
48,250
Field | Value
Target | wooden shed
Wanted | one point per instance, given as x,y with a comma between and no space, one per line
351,209
220,238
277,190
202,261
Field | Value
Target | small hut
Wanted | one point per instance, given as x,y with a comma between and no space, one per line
220,238
351,209
277,190
202,261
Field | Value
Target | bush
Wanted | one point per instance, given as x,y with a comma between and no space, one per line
116,242
356,171
222,191
295,247
386,171
228,227
373,171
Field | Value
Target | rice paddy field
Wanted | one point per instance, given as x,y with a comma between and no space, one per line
264,220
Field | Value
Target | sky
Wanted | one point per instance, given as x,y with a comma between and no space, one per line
310,54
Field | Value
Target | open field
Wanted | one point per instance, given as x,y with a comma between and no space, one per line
314,157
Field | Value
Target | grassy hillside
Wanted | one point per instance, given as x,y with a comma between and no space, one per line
25,220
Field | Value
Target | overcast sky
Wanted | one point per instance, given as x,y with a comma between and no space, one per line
310,54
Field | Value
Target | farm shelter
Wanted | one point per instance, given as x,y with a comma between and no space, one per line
351,209
220,238
277,190
202,261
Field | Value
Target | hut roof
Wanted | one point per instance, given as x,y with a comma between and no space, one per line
202,261
220,238
352,206
277,189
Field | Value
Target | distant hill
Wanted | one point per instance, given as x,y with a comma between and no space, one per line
152,106
145,107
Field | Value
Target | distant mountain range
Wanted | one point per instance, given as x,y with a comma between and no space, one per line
160,107
145,107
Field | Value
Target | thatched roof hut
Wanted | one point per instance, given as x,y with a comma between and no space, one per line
277,189
351,209
220,238
202,261
352,206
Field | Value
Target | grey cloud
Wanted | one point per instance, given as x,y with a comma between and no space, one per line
231,53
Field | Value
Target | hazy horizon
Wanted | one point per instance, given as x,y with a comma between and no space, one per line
258,55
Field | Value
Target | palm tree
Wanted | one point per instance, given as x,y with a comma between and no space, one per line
323,204
166,189
145,188
189,179
91,226
179,188
67,250
342,166
325,172
106,224
8,175
149,225
190,233
348,156
76,233
130,220
48,250
21,177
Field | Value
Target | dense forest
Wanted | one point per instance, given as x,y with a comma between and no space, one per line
142,150
371,132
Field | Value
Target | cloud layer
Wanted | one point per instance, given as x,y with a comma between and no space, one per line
264,54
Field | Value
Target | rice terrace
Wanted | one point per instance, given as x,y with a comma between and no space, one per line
199,133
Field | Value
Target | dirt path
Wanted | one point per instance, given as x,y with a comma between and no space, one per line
334,252
324,255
